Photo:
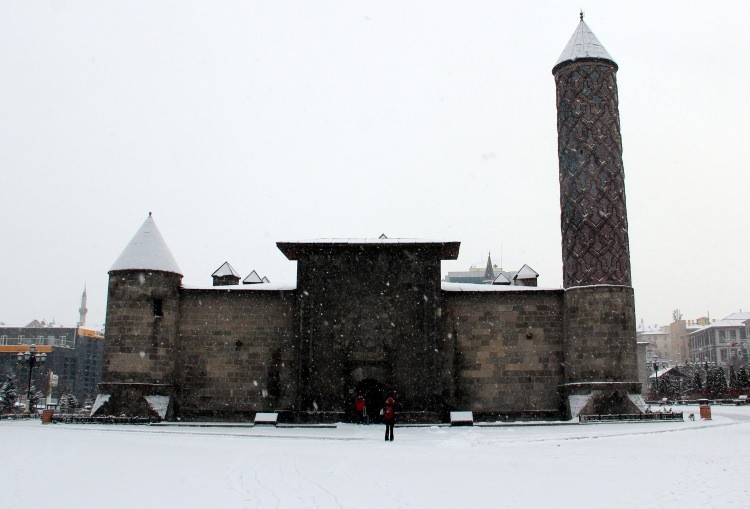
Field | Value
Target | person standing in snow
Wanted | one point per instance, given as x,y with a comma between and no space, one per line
360,406
389,416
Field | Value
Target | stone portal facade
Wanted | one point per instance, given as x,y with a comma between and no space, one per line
372,317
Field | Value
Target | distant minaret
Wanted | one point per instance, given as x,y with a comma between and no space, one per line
83,309
489,273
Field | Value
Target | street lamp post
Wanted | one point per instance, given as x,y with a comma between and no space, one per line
31,357
656,375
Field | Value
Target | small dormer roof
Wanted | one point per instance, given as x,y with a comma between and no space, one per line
584,44
526,272
225,270
501,279
252,278
147,250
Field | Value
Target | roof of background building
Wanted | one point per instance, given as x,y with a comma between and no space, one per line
733,320
148,251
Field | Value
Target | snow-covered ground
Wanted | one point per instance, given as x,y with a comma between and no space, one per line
679,464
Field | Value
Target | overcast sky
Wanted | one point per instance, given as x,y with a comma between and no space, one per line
240,124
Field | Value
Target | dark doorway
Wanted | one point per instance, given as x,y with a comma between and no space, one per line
374,394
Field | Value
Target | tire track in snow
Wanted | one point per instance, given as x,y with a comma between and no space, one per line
317,485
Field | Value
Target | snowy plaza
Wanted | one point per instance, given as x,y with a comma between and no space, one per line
663,464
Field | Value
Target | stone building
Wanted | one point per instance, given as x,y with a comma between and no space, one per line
372,316
724,342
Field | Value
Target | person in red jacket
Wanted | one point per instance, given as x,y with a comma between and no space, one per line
361,408
389,416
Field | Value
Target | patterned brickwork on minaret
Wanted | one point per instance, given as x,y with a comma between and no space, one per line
594,222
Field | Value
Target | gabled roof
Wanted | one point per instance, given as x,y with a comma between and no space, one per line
225,270
501,279
584,44
147,251
252,278
526,272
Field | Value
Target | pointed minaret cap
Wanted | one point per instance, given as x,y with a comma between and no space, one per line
147,251
583,45
489,273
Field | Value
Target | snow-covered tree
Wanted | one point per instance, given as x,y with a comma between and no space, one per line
743,379
669,386
36,397
695,382
8,393
732,378
68,403
716,381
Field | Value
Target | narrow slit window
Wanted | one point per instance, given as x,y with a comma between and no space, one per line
158,307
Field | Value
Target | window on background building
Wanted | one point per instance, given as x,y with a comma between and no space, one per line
732,334
62,341
724,355
50,340
722,335
3,340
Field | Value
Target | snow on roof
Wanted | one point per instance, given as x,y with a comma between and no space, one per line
252,278
733,320
583,44
526,272
501,279
380,240
225,270
147,250
292,248
475,287
240,287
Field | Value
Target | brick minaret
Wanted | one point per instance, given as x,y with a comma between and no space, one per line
600,344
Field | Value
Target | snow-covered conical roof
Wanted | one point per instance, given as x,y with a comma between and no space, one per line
584,44
147,251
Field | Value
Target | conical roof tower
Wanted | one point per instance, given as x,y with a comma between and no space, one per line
147,250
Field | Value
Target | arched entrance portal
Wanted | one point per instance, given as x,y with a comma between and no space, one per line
374,394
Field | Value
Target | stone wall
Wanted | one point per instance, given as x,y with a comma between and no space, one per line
235,353
142,315
368,313
504,352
